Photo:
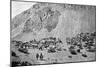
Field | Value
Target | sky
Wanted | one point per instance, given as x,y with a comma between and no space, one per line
18,7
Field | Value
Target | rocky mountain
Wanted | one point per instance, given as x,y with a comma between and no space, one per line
53,20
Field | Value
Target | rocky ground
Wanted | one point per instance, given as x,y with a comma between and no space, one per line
76,49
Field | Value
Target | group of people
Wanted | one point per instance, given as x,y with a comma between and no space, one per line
34,44
50,43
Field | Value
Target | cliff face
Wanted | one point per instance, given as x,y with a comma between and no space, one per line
33,20
54,20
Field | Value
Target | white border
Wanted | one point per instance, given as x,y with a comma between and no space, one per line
5,33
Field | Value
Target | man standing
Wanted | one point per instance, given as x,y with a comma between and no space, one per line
37,56
41,56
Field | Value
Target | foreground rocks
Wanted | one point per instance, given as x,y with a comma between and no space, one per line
80,44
